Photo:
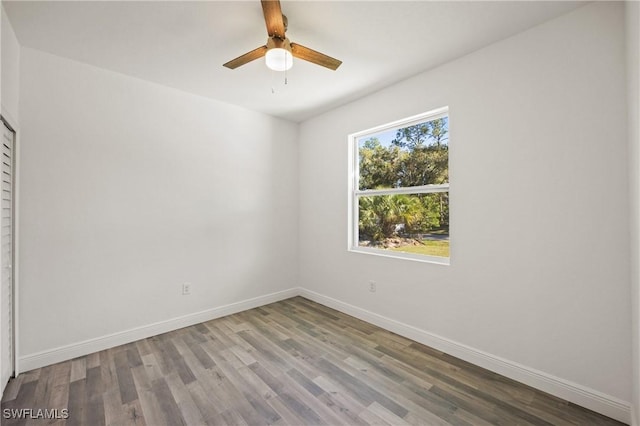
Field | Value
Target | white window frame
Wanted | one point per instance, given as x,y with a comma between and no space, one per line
355,193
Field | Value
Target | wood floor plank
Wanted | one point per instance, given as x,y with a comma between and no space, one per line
296,397
316,403
386,415
93,360
242,355
24,399
128,392
133,356
78,404
230,417
287,415
292,362
271,351
305,382
108,370
95,411
151,367
415,399
209,393
148,400
372,419
113,412
190,412
11,391
248,402
43,388
59,396
204,402
170,410
200,354
186,375
306,413
32,375
165,362
94,386
78,369
229,388
471,393
133,415
361,390
200,330
144,348
343,408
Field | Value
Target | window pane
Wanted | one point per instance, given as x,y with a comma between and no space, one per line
415,223
409,156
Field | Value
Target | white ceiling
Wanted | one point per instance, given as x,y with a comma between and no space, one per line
184,44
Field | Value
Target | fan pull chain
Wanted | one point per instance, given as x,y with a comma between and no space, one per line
285,69
273,79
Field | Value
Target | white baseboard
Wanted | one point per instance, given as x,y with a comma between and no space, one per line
74,350
573,392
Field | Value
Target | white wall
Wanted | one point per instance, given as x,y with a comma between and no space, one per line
9,70
632,13
539,271
129,189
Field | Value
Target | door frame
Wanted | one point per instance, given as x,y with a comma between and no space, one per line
12,124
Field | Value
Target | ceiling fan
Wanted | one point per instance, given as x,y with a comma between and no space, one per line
279,50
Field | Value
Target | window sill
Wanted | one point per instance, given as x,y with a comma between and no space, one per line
400,255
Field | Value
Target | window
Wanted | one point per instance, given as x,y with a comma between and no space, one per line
399,189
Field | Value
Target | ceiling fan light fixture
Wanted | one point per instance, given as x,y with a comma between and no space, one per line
279,59
279,51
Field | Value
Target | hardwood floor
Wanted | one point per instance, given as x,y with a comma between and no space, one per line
293,362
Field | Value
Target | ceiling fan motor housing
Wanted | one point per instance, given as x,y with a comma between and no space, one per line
278,43
281,59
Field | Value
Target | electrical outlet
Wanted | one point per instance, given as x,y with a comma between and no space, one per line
186,289
372,286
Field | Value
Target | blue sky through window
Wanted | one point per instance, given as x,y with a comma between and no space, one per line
387,136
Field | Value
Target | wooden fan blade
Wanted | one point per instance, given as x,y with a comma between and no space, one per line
301,52
247,57
273,18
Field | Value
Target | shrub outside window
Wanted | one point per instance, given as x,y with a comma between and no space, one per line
399,188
